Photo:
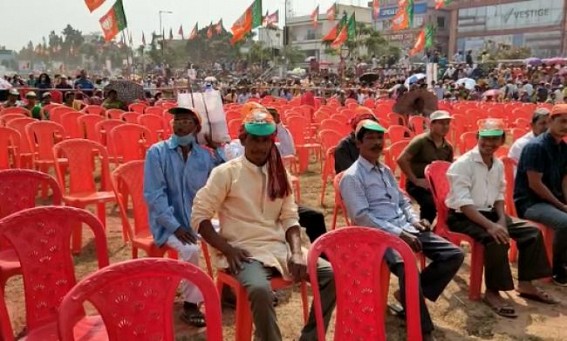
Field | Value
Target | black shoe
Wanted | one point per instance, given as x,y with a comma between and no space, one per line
560,280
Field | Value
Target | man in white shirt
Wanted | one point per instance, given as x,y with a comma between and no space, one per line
476,208
539,126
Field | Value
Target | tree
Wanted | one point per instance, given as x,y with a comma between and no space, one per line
293,55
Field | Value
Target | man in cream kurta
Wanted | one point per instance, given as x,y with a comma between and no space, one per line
259,226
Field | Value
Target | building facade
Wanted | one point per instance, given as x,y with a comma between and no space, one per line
486,24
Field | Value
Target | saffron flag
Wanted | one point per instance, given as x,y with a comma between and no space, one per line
375,9
114,21
249,20
419,44
341,38
94,4
315,17
333,33
442,3
332,12
194,32
180,32
404,17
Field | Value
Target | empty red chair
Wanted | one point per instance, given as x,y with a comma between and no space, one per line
6,118
396,119
26,155
137,107
46,109
518,133
128,142
340,127
156,125
360,310
46,262
391,159
329,141
298,129
418,124
234,128
339,203
135,300
128,179
436,175
15,110
130,117
94,110
398,133
42,136
56,113
70,122
154,111
9,148
82,190
87,123
103,129
56,96
114,114
467,142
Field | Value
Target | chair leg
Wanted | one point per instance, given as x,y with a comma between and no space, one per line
101,213
304,301
335,214
77,238
477,267
134,252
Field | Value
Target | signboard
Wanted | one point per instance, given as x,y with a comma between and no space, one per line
389,12
516,15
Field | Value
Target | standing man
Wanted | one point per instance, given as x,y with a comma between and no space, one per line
373,199
259,226
540,191
423,150
476,208
174,171
539,126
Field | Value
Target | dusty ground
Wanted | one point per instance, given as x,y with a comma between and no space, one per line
455,316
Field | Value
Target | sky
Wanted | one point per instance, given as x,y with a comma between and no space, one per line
25,20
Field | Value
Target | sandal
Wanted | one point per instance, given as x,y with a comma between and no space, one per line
194,318
505,310
539,296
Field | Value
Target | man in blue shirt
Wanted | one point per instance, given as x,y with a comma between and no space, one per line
84,84
175,170
373,198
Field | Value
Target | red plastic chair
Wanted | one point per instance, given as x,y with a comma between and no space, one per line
154,111
94,110
243,314
103,129
135,300
361,303
329,140
44,112
15,110
70,122
396,119
398,133
391,159
436,175
56,113
128,179
114,114
137,107
517,133
128,142
340,127
467,141
418,124
234,128
298,130
339,204
56,96
26,155
10,141
41,238
7,118
130,117
82,189
87,123
156,125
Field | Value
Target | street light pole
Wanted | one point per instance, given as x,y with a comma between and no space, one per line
162,33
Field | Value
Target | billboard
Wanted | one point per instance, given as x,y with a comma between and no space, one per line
516,15
389,12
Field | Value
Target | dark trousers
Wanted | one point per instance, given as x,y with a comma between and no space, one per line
313,221
424,198
532,260
446,259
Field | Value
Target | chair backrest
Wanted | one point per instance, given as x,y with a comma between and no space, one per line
418,124
129,179
329,138
79,153
94,110
154,111
41,237
19,187
468,141
15,110
87,123
46,109
42,136
129,142
361,304
234,128
436,176
338,197
20,125
7,118
10,141
104,127
155,124
509,174
398,133
297,128
114,114
137,107
338,126
56,112
136,297
70,122
130,117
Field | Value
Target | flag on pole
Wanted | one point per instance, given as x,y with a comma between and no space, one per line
249,20
143,39
375,9
114,21
180,32
430,31
210,31
442,3
218,27
333,33
194,32
332,12
94,4
170,33
265,20
341,38
419,44
315,16
404,17
272,19
351,28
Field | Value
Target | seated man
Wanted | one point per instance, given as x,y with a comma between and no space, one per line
373,198
540,193
423,150
259,228
346,152
539,126
174,171
476,203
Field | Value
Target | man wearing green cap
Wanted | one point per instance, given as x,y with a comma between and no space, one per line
373,198
175,169
259,226
476,208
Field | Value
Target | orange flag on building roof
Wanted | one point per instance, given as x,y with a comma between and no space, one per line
94,4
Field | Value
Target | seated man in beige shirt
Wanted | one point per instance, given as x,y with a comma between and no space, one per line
259,226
